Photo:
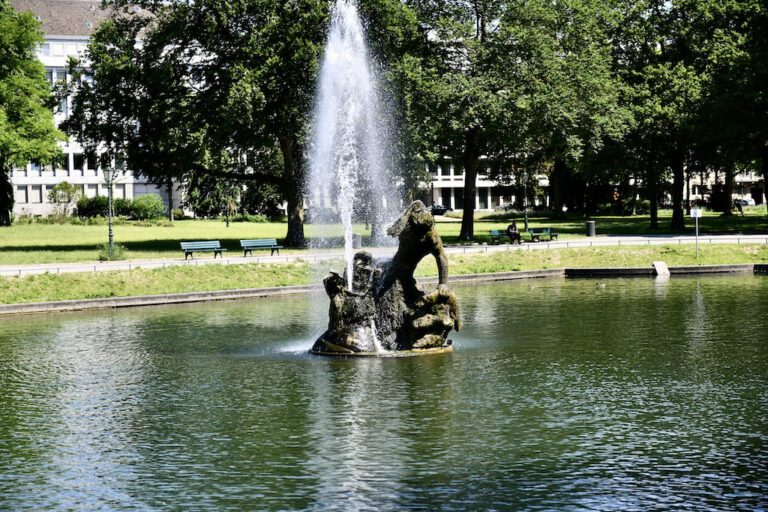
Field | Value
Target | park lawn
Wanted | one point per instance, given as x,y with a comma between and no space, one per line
50,287
755,220
60,243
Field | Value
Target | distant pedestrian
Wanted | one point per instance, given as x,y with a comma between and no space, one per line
738,207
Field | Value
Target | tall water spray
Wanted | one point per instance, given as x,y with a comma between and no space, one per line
348,160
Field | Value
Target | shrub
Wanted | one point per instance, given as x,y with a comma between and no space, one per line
147,207
247,217
97,206
117,254
178,214
122,207
63,195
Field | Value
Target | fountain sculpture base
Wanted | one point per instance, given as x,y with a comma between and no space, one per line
394,353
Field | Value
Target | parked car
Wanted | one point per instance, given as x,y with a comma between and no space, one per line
440,210
745,202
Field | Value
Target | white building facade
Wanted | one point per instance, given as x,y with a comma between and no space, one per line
68,25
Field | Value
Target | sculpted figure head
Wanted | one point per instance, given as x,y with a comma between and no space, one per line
415,219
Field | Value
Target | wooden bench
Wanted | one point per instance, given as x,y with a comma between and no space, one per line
190,248
264,243
537,233
497,235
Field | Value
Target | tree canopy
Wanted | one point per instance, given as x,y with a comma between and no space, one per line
218,93
27,130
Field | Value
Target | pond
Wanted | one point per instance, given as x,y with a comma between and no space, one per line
560,394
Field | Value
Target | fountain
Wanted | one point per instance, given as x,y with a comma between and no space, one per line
379,309
376,306
349,166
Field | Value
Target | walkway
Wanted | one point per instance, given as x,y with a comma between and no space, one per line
601,241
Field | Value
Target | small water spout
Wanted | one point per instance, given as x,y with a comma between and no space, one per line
376,343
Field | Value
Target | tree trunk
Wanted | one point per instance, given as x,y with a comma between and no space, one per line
170,199
6,195
653,193
688,193
294,191
557,183
678,184
730,178
764,169
470,160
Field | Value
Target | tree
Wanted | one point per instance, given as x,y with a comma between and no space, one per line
210,84
451,92
27,130
63,195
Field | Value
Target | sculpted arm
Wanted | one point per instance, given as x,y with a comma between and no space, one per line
440,258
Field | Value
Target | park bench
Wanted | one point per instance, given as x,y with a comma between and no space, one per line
497,235
190,248
264,243
537,233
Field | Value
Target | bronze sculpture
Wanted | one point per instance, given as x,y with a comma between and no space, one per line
385,309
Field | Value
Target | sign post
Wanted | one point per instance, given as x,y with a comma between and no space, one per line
696,214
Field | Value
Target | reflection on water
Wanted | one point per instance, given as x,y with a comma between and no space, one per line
560,394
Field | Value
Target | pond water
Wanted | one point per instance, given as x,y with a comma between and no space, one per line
560,394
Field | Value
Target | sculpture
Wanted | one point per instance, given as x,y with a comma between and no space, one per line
385,309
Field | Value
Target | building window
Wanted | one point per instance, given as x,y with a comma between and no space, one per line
445,197
458,198
79,162
119,191
48,190
482,193
35,165
445,170
91,191
91,161
36,194
20,195
45,50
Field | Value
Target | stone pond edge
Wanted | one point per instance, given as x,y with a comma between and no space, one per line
275,291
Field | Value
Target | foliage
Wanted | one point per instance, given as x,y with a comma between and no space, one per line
63,195
27,130
118,252
122,207
96,206
148,206
248,217
264,200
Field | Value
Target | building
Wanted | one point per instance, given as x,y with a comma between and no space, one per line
447,189
67,25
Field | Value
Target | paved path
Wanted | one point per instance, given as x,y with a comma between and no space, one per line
600,241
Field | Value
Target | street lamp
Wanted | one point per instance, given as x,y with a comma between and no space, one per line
109,177
525,199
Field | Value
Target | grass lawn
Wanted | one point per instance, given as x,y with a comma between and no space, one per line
754,220
54,243
47,287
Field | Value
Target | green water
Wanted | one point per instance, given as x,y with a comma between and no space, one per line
559,395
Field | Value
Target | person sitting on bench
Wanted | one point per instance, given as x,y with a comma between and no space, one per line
514,234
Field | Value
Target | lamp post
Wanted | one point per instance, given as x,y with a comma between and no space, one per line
109,176
525,199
